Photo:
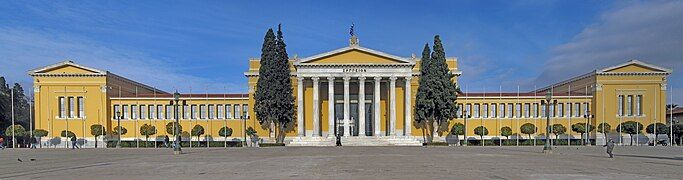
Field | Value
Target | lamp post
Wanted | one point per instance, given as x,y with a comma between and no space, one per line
118,133
175,103
588,117
244,129
547,149
464,131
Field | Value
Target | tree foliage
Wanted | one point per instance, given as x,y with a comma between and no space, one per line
225,131
65,134
170,127
40,133
115,131
19,131
481,131
581,128
274,102
661,129
197,130
21,105
558,129
630,128
97,130
506,131
528,129
148,130
437,92
604,128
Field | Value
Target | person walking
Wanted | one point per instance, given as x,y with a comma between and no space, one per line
2,142
610,147
74,145
166,140
33,142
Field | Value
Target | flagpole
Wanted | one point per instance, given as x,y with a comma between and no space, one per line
569,104
13,125
520,116
500,99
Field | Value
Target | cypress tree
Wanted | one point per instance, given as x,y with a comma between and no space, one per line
284,99
436,94
4,105
263,95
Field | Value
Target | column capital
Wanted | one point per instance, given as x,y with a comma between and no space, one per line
377,78
330,78
361,78
300,78
393,78
315,78
346,78
408,78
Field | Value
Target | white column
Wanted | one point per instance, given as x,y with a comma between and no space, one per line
361,106
300,106
347,106
408,107
330,106
316,108
392,105
375,101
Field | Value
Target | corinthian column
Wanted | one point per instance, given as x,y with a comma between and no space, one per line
347,106
361,106
392,105
316,108
408,97
375,101
300,106
330,107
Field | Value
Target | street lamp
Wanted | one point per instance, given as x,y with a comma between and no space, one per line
548,97
464,131
118,119
175,103
588,117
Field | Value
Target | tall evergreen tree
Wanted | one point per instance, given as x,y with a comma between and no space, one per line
273,96
436,94
4,105
21,106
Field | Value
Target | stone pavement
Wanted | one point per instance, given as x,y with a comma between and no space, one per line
345,163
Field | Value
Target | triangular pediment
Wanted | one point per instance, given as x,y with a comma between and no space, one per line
66,67
635,66
354,55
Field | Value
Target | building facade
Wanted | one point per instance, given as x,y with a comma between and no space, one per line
364,95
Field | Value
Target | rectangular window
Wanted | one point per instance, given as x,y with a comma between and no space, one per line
186,112
468,110
160,112
219,109
509,110
117,108
72,110
81,110
552,110
620,105
228,111
125,112
568,111
485,111
237,111
212,111
527,113
152,112
577,110
544,112
475,111
639,105
518,110
169,112
494,111
143,112
62,108
202,111
134,111
535,109
194,112
245,110
560,110
459,112
585,109
501,110
629,105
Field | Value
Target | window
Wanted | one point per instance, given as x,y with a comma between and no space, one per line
219,109
237,111
152,112
552,110
543,111
639,105
518,110
527,113
629,105
560,110
493,111
71,107
202,111
117,108
160,112
459,112
485,111
620,104
245,110
577,110
125,112
535,110
228,111
143,112
568,111
186,112
134,111
585,109
501,110
475,111
211,111
509,110
194,112
169,112
81,110
468,110
62,109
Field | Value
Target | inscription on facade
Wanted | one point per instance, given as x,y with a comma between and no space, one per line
355,70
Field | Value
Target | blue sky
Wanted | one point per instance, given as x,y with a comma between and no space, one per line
205,45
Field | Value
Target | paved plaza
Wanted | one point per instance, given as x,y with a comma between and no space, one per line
345,163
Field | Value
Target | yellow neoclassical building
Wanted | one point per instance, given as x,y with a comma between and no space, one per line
365,95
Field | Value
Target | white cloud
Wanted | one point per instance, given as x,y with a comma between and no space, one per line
649,31
26,49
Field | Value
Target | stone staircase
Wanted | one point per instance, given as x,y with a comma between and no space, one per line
380,141
311,141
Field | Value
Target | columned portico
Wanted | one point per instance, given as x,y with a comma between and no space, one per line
361,106
392,106
376,106
408,107
316,110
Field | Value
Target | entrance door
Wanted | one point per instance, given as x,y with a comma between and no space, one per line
369,122
353,123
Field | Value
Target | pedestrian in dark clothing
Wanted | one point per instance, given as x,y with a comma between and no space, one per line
610,147
73,143
33,142
166,140
2,142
